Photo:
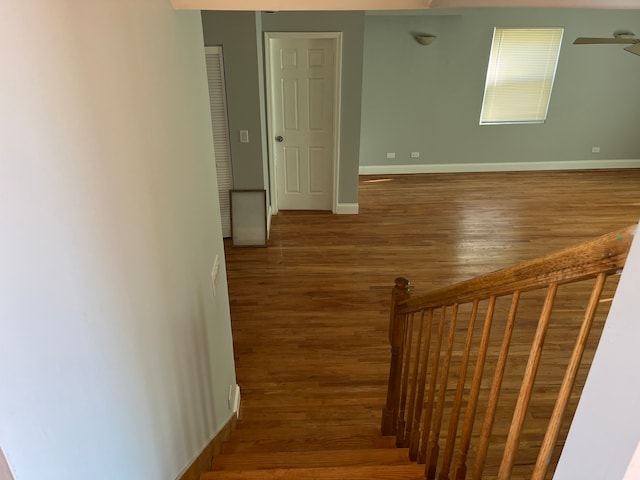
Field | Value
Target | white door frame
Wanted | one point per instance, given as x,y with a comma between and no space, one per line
337,37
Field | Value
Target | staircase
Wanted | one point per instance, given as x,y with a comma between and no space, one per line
461,385
355,464
328,452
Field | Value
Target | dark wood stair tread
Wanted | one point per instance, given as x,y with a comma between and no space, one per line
311,459
289,440
379,472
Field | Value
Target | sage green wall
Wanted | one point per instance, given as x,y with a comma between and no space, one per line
428,99
240,34
351,24
241,42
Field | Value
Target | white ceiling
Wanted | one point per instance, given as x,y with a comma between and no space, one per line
393,5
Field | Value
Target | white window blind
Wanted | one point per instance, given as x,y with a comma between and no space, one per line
218,104
520,75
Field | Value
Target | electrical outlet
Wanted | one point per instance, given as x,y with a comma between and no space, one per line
391,154
595,149
415,154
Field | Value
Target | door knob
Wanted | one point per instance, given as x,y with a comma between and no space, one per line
279,138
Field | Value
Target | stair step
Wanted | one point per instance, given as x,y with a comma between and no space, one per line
292,439
311,459
386,472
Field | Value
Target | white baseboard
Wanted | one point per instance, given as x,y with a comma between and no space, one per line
5,470
347,208
269,221
498,167
235,401
201,462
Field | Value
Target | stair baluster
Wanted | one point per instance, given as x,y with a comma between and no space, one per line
421,396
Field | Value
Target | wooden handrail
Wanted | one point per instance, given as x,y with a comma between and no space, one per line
422,383
604,254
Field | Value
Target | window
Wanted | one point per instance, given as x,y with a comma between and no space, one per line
522,67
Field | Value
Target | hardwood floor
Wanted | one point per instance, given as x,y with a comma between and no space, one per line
310,312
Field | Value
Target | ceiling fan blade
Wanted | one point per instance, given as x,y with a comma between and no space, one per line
635,48
599,41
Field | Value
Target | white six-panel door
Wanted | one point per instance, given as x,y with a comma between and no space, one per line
304,91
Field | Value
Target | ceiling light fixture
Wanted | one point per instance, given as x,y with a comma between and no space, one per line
424,38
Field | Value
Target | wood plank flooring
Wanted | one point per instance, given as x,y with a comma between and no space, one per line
310,312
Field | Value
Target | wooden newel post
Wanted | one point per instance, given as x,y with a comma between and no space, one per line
399,293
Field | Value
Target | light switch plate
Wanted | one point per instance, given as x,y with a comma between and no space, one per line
244,136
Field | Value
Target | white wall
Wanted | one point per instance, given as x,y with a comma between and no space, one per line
606,427
115,359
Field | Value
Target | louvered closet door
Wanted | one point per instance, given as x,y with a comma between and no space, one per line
220,126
